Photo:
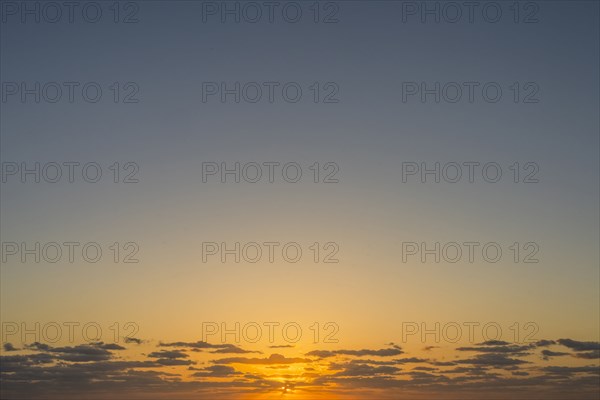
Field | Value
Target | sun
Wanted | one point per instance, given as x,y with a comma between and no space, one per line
287,388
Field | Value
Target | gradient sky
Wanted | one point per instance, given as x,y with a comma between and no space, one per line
369,134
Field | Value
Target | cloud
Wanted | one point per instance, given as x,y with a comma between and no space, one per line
108,346
354,369
560,370
174,362
38,346
424,369
544,343
493,371
479,370
443,363
373,362
393,351
81,353
219,371
171,358
580,346
273,359
488,347
492,360
546,354
9,347
13,363
410,360
201,345
167,354
589,355
493,343
231,349
129,340
34,376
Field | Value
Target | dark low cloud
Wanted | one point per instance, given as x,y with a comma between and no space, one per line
108,346
498,349
492,360
354,369
81,353
389,352
496,368
217,371
479,370
273,359
133,340
443,363
560,370
520,373
9,347
580,346
547,354
168,354
494,343
589,355
173,362
410,360
544,343
424,369
19,362
224,348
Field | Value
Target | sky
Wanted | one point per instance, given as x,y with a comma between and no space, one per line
303,200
